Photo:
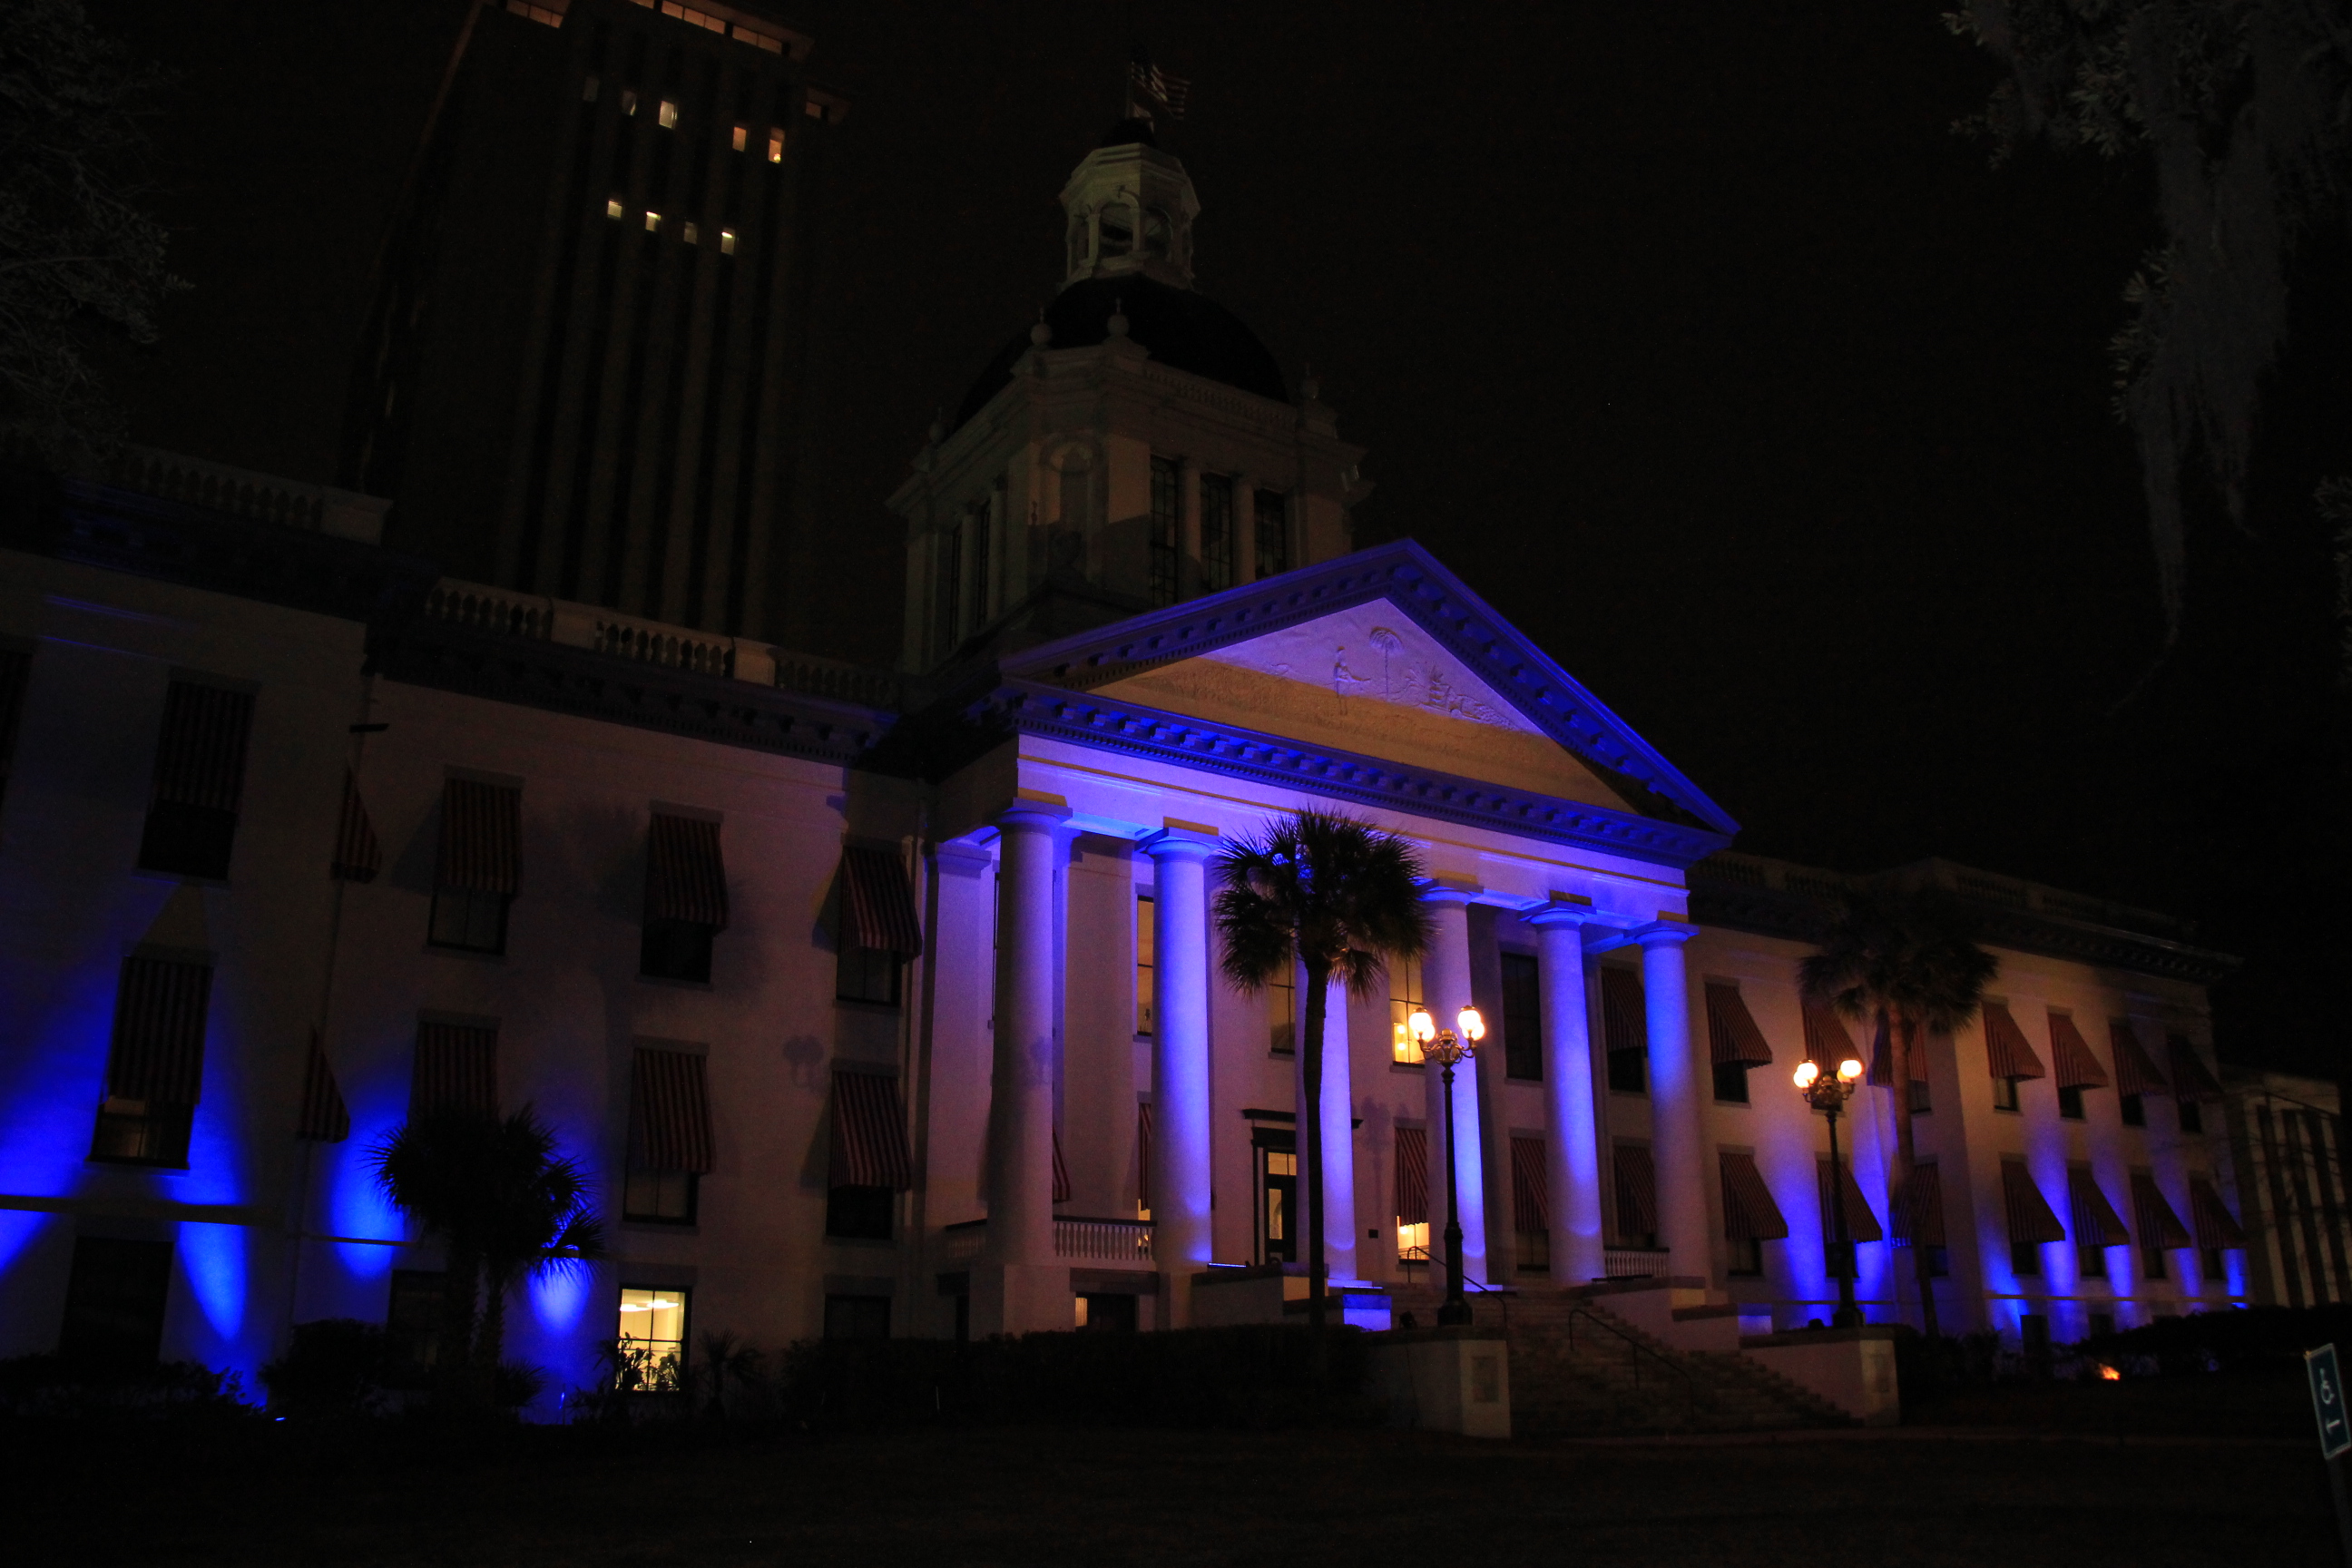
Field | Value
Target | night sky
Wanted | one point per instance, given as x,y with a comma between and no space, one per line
1692,338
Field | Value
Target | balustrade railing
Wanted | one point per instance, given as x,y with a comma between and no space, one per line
960,1243
1635,1262
1103,1240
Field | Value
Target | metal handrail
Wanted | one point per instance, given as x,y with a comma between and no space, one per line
1690,1383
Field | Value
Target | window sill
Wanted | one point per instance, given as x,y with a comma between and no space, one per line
1529,1082
1737,1104
180,879
666,983
121,1162
1419,1067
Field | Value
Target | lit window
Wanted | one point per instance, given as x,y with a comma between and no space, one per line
653,222
588,91
613,208
1412,1241
692,234
776,145
668,115
815,109
742,137
652,1339
628,101
726,242
1145,953
1404,1001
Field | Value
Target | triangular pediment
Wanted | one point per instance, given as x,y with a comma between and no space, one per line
1369,679
1382,654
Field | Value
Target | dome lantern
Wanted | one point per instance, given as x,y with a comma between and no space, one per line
1130,209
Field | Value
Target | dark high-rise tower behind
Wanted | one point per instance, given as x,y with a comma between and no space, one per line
585,371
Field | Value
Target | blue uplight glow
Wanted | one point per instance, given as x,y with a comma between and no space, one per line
558,1296
18,1229
212,1257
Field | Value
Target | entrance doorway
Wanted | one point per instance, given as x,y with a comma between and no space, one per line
1280,1219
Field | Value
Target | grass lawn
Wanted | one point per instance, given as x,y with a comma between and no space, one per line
281,1494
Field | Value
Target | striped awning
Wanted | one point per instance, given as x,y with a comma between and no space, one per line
1826,1041
2008,1051
1749,1212
481,837
870,1132
325,1117
2071,1054
16,674
2216,1226
2158,1224
1143,1153
1918,1210
1621,1023
1412,1176
2190,1078
457,1069
1637,1191
1061,1171
1732,1035
877,903
2096,1219
1860,1220
358,857
2031,1217
685,877
669,1112
1881,1059
1530,1202
200,756
2135,1071
159,1031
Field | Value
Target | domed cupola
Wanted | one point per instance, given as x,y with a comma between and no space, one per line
1131,209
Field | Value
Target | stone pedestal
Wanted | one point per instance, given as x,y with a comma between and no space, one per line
1445,1380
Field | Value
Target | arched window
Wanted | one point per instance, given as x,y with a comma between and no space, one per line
1157,230
1118,224
1078,243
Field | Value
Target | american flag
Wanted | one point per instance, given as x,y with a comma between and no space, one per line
1150,86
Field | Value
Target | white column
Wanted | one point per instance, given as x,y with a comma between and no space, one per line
1444,992
1337,1113
1182,1243
1020,1193
1677,1138
1572,1143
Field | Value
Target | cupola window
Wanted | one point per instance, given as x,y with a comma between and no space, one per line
1156,229
1117,231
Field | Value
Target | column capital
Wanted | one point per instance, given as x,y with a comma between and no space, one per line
1664,932
1179,840
1561,909
958,858
1450,890
1029,809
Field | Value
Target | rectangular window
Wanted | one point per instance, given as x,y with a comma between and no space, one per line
199,778
1412,1241
1167,530
2004,1094
1279,1180
726,242
776,145
1101,1312
412,1324
2152,1262
614,210
1747,1259
2192,1117
154,1069
1216,532
1281,1013
651,1340
1273,541
858,1316
1522,1017
2134,1109
867,974
114,1301
1404,1001
948,560
469,922
860,1213
653,222
629,101
1922,1102
2070,1102
2209,1260
1628,1073
2025,1259
661,1197
742,137
691,233
982,535
676,949
1731,1083
668,115
1146,959
2090,1258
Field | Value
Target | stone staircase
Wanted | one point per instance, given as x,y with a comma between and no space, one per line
1578,1369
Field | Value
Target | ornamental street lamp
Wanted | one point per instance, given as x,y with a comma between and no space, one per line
1446,1048
1828,1095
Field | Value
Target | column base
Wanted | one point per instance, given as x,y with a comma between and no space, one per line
1021,1299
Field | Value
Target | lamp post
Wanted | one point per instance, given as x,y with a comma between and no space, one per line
1828,1093
1446,1048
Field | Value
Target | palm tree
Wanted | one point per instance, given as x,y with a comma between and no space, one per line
1337,896
505,1203
1904,961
